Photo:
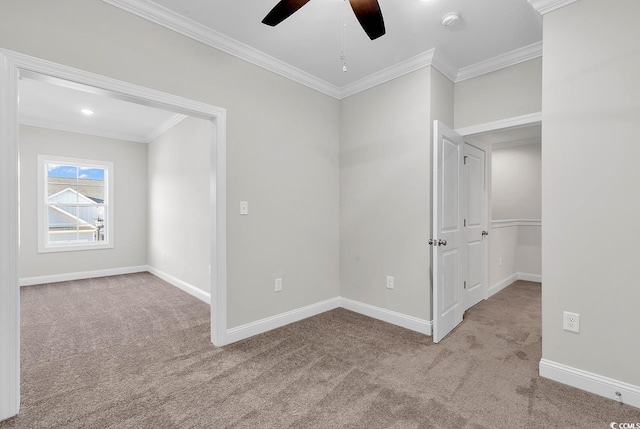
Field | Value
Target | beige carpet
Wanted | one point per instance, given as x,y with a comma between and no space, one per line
133,352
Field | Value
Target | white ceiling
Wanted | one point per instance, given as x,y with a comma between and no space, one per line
55,106
310,40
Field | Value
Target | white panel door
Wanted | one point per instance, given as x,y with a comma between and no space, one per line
448,237
475,213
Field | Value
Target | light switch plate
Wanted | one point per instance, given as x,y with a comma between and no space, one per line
244,207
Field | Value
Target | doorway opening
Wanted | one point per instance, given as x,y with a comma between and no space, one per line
15,67
514,205
462,209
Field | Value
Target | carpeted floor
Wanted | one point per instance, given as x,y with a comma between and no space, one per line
133,352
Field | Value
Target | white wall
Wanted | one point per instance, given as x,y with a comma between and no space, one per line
505,93
590,208
385,178
516,183
282,142
179,202
130,205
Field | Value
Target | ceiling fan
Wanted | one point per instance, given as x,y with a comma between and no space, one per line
367,11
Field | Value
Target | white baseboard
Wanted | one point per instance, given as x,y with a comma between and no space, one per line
259,326
530,277
188,288
277,321
591,382
501,284
408,322
512,278
31,281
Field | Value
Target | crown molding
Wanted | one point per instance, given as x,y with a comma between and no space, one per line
187,27
80,129
514,57
412,64
164,127
546,6
441,63
431,58
166,18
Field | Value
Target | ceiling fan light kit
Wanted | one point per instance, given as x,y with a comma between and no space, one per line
367,11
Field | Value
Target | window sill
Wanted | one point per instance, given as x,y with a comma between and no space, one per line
74,248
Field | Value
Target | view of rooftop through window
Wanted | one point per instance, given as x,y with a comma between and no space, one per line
76,203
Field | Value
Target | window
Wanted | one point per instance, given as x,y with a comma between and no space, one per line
75,204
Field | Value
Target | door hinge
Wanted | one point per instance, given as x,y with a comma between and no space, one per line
464,222
465,284
465,159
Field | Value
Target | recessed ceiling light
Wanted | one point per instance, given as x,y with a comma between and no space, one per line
86,112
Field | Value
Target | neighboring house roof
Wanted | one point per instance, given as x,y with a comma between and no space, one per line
59,218
90,188
80,198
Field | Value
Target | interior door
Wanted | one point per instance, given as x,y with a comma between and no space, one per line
474,223
447,241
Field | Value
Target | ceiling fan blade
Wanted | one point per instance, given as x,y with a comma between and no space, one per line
370,16
283,10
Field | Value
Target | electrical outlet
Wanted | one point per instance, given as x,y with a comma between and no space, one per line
278,285
500,261
389,282
571,322
244,208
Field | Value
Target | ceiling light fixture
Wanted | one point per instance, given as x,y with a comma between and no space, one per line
450,19
86,112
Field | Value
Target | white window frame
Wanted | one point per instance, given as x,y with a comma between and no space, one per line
44,246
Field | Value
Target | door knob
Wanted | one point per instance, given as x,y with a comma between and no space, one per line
485,233
433,242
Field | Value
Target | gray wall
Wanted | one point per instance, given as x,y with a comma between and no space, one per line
516,182
590,208
505,93
179,202
130,205
282,141
385,178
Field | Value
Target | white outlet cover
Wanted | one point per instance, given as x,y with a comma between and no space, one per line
571,322
389,282
278,285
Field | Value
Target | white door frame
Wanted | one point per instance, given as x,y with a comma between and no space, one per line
11,65
500,125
